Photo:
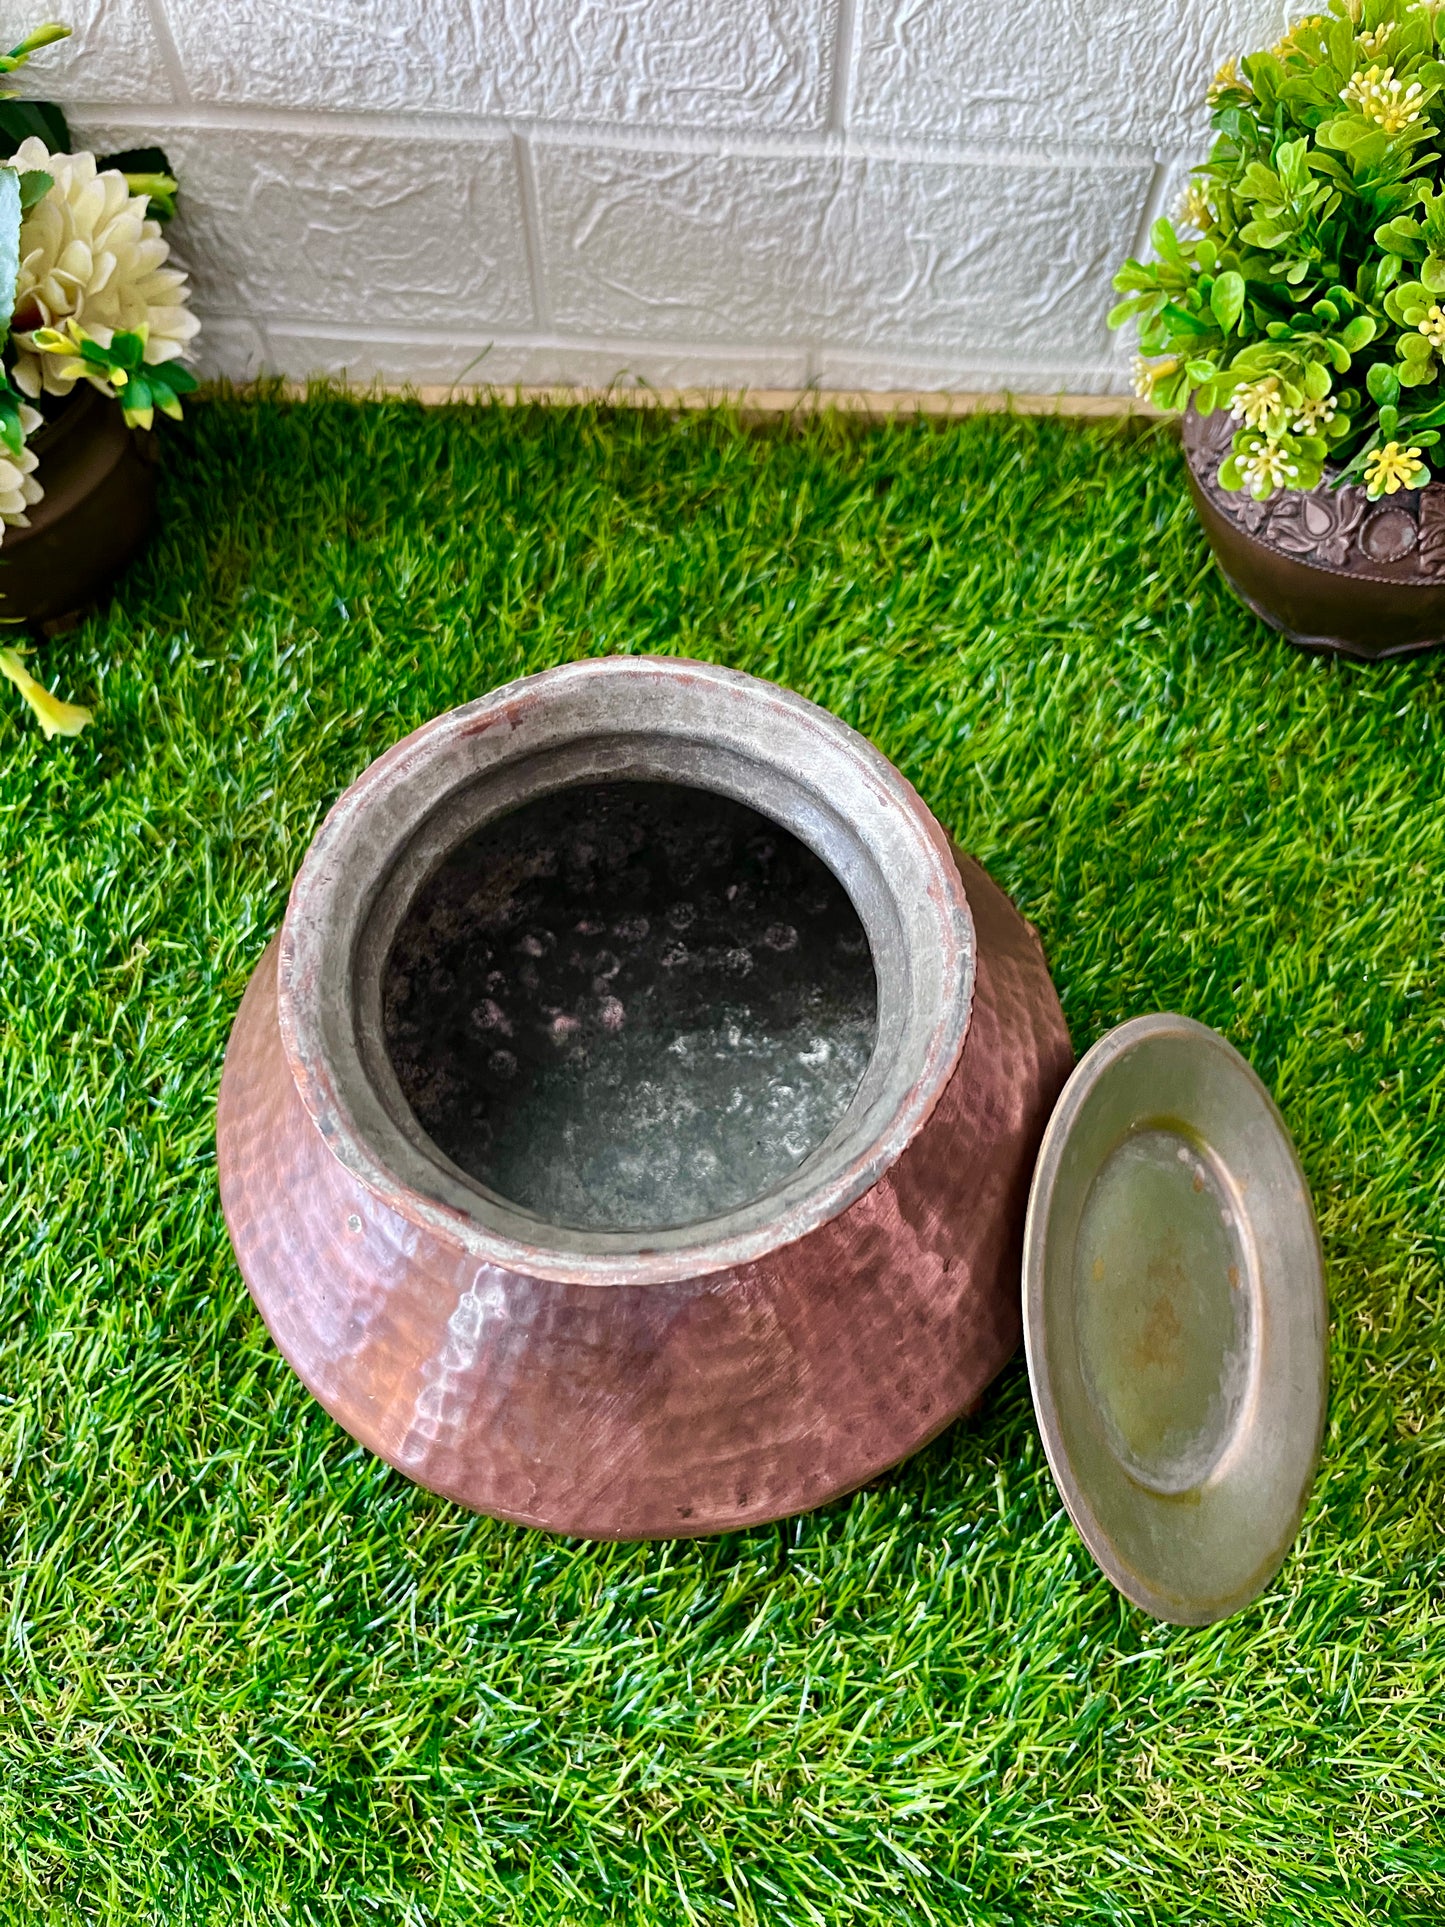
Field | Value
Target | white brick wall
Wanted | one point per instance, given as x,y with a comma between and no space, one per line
717,193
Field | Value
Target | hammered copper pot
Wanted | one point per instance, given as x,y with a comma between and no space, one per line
1327,566
608,1372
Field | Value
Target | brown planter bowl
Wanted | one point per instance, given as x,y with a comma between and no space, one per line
688,1380
1326,566
95,516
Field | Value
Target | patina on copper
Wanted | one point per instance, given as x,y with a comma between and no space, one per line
691,1378
1326,566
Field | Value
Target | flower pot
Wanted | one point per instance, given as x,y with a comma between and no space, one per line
630,1130
1326,566
94,518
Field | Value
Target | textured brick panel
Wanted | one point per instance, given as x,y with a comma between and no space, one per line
531,363
112,53
349,231
230,348
964,374
976,258
697,63
1052,70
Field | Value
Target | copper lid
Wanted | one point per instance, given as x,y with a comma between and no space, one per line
1175,1318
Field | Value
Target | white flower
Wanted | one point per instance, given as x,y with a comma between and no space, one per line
1433,326
1147,373
88,253
1313,416
1259,404
1265,467
1381,98
1374,40
19,489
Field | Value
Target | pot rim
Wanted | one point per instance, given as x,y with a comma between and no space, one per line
657,718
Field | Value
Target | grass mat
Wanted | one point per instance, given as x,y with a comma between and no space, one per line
248,1674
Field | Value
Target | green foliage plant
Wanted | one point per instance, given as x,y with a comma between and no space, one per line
1302,284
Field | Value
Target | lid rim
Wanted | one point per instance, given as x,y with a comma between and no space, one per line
1143,1590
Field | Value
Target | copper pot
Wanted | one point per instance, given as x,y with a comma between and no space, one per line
601,1354
94,518
1326,566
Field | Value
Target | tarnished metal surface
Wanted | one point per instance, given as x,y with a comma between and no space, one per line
654,719
681,1407
1174,1310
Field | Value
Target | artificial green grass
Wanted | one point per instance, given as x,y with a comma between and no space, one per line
248,1674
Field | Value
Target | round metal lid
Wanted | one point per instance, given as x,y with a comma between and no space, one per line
1175,1319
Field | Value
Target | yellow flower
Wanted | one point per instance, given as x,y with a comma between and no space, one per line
1383,99
1294,41
1392,467
1433,326
1227,80
1375,39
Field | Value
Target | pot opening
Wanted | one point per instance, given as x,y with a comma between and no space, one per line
630,1005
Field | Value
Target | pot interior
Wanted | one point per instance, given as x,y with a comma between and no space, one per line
629,1005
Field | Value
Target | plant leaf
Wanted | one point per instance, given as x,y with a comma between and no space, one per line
20,120
1226,299
9,245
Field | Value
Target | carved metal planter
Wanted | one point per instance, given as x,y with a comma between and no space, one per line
630,1130
1327,566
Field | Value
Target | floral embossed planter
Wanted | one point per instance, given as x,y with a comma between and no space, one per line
1326,566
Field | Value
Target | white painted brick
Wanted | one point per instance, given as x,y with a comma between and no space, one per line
342,230
507,363
1049,70
111,55
843,371
666,63
977,259
227,348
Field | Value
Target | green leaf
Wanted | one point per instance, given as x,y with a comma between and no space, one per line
11,433
22,120
1226,299
148,172
35,184
1383,383
1125,310
1165,242
9,245
1359,334
1180,318
1401,236
1316,381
